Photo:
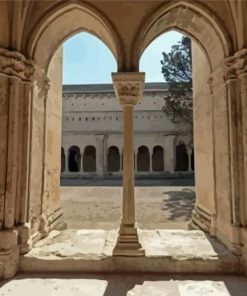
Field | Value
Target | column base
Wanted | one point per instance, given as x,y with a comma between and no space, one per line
9,253
128,243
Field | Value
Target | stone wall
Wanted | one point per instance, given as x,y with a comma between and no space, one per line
51,199
203,138
93,116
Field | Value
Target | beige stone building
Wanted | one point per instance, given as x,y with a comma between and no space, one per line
30,113
92,134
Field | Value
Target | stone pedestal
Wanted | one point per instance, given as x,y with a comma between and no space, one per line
128,88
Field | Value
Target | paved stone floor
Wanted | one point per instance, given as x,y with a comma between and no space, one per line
99,207
123,285
98,244
165,251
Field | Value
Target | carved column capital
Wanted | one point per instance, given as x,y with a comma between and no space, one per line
128,87
241,61
229,70
236,65
14,64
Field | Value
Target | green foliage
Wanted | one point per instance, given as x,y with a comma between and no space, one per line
177,71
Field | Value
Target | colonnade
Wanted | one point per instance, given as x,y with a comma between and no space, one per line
147,160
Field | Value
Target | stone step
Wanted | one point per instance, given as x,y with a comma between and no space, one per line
166,251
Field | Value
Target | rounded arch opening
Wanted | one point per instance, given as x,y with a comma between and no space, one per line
113,159
74,159
89,159
182,159
158,159
143,159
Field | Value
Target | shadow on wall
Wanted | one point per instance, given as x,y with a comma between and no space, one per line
179,204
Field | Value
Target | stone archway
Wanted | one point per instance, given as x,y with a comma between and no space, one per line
182,159
113,159
45,112
158,159
60,22
143,159
89,159
221,201
212,134
74,159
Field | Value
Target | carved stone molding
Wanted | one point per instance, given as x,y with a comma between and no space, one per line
14,64
128,86
211,85
217,79
236,65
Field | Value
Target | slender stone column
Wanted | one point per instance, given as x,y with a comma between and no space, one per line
236,82
81,164
150,159
66,160
128,88
105,150
100,155
189,159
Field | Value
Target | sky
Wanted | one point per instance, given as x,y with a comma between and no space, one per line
87,60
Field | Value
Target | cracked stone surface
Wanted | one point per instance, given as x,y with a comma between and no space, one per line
181,244
124,285
99,244
73,243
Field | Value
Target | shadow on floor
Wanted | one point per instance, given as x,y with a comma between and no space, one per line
117,182
179,204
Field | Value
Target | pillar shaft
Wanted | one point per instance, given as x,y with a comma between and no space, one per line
128,170
66,169
128,88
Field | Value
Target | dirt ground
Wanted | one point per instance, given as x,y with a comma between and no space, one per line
99,207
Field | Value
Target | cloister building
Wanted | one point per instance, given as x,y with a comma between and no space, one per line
92,134
31,35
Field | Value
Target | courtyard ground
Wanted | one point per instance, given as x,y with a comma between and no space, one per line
98,206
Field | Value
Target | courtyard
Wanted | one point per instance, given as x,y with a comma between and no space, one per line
160,204
123,156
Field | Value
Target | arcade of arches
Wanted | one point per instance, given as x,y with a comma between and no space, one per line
31,33
83,161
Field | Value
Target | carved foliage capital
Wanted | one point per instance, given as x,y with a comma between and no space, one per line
128,87
236,65
14,64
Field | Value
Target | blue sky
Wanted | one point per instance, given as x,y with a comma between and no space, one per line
87,60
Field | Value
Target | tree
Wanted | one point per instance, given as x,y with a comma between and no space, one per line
177,71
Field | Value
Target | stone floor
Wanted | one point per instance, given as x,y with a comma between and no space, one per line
99,207
123,285
79,261
165,251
